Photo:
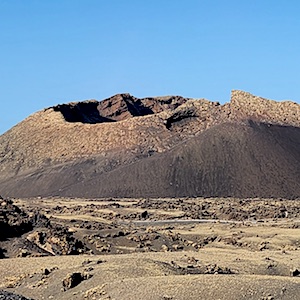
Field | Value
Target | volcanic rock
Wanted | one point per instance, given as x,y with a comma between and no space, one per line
33,233
13,220
73,279
155,147
4,295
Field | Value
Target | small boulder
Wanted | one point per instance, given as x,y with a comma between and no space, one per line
294,272
23,253
144,214
72,280
164,248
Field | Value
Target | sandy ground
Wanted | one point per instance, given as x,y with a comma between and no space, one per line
165,249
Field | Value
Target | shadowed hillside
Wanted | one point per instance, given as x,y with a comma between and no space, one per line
156,147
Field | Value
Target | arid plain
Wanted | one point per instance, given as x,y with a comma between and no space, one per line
191,248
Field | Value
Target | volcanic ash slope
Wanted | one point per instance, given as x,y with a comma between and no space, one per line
155,147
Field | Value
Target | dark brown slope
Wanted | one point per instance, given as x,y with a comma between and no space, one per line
240,160
155,147
251,160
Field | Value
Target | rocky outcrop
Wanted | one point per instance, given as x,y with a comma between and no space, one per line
247,106
36,234
73,279
117,108
13,220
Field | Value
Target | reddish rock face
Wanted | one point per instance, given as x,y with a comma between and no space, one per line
117,108
122,106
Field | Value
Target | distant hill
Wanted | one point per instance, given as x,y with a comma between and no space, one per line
155,147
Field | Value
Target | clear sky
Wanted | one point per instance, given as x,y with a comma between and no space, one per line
57,51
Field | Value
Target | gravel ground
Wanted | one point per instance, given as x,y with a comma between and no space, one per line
10,296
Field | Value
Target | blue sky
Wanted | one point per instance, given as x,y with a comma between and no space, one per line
59,51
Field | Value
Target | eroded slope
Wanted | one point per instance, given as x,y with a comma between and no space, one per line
125,146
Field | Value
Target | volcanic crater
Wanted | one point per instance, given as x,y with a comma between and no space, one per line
167,146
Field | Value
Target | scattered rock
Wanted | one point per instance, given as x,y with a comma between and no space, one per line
46,272
294,272
215,269
86,262
23,253
164,248
177,247
144,214
100,261
72,280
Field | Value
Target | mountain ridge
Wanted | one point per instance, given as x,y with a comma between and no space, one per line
98,141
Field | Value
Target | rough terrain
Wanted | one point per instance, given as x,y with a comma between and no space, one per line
185,248
155,147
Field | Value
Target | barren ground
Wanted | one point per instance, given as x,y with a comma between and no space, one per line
188,248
